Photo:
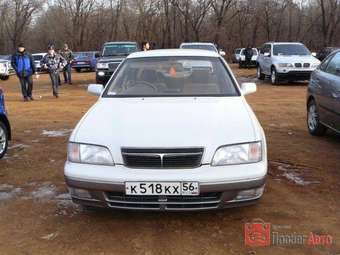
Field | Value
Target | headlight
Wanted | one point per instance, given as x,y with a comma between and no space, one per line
89,154
238,154
102,65
285,65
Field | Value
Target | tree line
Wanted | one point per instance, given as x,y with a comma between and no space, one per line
87,24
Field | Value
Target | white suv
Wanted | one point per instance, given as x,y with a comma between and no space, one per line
171,131
285,61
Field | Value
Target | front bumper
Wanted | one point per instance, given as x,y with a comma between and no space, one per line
217,189
294,74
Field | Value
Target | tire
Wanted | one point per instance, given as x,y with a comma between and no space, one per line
314,125
78,70
259,73
3,139
274,77
4,78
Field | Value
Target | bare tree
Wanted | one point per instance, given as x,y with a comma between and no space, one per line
18,17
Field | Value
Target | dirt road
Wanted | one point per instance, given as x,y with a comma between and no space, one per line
37,217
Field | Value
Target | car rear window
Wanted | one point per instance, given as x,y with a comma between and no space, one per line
172,76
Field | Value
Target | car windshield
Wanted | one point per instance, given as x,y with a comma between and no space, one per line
37,57
238,51
290,50
199,47
119,49
84,54
172,76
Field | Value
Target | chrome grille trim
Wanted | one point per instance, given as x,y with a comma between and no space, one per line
162,158
204,201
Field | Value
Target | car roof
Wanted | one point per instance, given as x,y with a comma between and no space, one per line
173,53
121,42
43,53
284,43
197,43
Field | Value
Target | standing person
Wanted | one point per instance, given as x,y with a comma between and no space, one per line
67,54
53,62
248,52
23,64
145,46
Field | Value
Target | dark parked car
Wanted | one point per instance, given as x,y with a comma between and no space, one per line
324,52
5,128
323,99
112,55
85,60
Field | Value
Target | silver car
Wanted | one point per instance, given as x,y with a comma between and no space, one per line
285,61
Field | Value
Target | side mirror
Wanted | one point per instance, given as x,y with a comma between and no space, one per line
248,88
95,89
313,54
266,54
222,53
96,55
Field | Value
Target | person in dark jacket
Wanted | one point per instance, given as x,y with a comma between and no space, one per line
53,62
23,64
67,54
248,52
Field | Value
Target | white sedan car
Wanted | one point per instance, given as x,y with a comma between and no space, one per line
171,131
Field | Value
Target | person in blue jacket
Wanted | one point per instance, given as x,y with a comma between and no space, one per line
23,64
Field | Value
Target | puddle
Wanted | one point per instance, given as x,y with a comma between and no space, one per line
45,192
56,133
296,174
19,146
66,206
8,192
41,193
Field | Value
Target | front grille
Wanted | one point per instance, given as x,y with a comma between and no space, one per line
113,66
162,158
306,65
298,65
119,200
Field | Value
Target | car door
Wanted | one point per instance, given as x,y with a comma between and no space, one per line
329,98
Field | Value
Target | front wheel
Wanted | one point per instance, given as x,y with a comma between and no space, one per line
313,120
3,139
260,75
274,77
78,70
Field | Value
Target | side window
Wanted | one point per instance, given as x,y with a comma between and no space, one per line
324,64
333,66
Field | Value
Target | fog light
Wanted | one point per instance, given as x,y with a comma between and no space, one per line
79,193
250,194
101,73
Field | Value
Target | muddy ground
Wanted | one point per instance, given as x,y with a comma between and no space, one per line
37,216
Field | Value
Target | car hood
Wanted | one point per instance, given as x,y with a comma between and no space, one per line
111,59
167,123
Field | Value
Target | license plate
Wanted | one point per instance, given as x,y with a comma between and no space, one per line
81,63
162,188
